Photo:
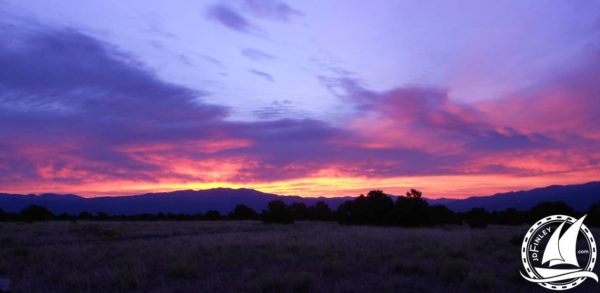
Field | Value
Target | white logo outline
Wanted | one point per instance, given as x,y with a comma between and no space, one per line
555,255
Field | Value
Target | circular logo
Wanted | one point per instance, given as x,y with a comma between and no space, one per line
559,253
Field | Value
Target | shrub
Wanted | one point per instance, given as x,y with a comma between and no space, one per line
36,213
86,216
242,212
213,215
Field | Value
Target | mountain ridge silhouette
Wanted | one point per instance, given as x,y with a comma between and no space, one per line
224,200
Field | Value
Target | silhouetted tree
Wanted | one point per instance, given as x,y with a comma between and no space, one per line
414,194
379,207
412,210
195,217
85,216
593,213
3,216
213,215
320,212
442,215
477,218
299,211
242,212
509,216
354,211
545,209
65,217
376,208
36,213
277,212
102,216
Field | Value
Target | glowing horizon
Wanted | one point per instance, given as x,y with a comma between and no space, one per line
481,185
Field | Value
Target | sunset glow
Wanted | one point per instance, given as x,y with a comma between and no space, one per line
298,98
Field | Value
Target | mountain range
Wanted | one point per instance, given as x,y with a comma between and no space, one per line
580,197
223,200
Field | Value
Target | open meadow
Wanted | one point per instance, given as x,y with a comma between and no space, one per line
248,256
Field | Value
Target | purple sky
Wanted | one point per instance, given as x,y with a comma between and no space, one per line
306,97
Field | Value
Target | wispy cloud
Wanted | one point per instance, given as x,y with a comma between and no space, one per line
278,110
262,74
272,9
230,18
256,55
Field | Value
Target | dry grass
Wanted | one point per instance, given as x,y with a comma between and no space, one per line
252,257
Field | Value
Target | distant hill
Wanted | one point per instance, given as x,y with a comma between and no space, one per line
580,197
224,200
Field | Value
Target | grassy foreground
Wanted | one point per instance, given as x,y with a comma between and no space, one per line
253,257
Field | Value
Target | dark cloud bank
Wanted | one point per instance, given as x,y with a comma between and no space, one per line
75,105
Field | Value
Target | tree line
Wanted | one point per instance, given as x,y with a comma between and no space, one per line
375,208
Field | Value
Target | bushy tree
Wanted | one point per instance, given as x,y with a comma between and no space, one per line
414,194
477,218
320,212
3,215
213,215
242,212
299,211
509,216
376,208
36,213
545,209
412,210
442,215
66,217
85,216
593,213
277,212
102,216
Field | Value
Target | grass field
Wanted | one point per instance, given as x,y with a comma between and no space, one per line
253,257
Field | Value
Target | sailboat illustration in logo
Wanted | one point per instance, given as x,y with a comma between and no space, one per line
559,267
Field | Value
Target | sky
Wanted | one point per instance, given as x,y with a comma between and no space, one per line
311,98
